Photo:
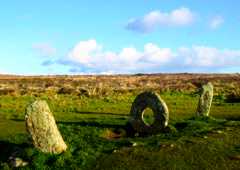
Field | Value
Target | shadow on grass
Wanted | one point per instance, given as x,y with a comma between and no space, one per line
103,113
11,149
232,118
84,123
92,124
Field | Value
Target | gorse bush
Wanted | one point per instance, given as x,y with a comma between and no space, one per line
66,90
233,97
7,91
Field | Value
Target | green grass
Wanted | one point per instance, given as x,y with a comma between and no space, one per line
93,129
148,116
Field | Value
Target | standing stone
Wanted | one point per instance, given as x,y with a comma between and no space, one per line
205,100
153,101
42,127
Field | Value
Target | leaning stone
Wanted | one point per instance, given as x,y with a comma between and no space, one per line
42,127
159,108
205,100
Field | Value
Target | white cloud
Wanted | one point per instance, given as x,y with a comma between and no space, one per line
88,54
84,50
90,57
203,56
178,17
153,53
44,49
216,22
181,16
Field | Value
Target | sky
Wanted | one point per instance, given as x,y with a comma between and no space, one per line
119,37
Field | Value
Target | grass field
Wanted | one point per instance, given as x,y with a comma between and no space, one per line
94,130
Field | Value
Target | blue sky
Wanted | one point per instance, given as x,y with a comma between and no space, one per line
107,37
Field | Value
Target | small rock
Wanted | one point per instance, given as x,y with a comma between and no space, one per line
163,146
134,144
205,137
167,145
17,162
219,131
136,134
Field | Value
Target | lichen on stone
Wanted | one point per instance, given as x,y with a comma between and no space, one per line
153,101
205,100
42,128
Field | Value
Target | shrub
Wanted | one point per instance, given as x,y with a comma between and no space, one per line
7,91
66,90
84,92
233,97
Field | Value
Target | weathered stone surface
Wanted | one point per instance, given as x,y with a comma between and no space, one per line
42,127
153,101
205,100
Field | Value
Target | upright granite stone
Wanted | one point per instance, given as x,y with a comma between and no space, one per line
42,127
205,100
153,101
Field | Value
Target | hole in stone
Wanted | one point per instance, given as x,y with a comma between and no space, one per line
148,116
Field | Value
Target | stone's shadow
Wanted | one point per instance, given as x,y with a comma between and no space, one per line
181,125
91,124
232,118
119,129
84,123
127,127
17,120
8,149
103,113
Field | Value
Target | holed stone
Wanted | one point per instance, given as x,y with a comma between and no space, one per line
153,101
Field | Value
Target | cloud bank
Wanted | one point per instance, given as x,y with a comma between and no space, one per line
154,19
90,57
